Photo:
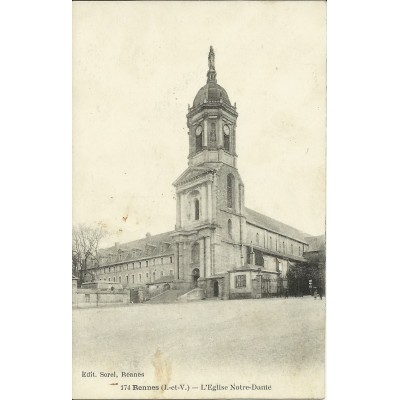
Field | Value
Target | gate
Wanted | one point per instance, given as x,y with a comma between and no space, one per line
134,295
273,287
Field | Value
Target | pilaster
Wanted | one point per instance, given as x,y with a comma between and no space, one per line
205,130
178,211
209,201
208,256
201,248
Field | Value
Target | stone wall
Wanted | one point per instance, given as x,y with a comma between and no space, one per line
97,298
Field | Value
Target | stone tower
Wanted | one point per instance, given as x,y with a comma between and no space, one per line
210,221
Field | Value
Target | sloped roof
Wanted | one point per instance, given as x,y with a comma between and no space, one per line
152,246
316,243
273,225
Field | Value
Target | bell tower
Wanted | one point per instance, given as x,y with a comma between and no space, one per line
212,122
210,221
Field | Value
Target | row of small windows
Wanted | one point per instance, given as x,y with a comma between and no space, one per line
139,278
148,250
138,264
282,245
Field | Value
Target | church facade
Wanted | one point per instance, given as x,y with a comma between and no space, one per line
218,244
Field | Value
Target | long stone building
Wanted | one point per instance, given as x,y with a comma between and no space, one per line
218,244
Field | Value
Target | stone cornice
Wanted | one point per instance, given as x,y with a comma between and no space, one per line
201,177
212,104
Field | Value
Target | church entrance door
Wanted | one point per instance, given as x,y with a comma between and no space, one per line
216,289
196,276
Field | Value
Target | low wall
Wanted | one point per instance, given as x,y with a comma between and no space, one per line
97,298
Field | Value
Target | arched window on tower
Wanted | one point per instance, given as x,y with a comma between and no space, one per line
258,238
229,189
230,228
213,134
227,141
196,209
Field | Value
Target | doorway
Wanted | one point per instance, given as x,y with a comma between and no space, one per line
216,289
196,276
134,296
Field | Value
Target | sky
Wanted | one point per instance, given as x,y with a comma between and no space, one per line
137,66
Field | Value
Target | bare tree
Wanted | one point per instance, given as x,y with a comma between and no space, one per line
85,245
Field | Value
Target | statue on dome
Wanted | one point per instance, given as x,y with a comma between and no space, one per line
211,59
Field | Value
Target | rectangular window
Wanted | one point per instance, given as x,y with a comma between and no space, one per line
162,273
162,261
171,272
140,264
87,298
147,263
127,279
133,278
170,260
240,281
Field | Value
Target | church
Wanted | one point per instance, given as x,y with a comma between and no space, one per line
219,247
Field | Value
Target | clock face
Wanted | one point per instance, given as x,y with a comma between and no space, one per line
226,130
199,129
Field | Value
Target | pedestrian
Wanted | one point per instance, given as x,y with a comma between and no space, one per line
320,293
315,293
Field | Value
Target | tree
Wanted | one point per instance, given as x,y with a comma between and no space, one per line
85,244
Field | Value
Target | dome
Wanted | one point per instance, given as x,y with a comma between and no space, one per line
211,92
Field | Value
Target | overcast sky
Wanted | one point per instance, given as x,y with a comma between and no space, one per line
137,66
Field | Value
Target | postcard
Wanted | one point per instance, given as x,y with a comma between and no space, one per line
199,164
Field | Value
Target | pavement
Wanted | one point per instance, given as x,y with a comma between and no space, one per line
277,341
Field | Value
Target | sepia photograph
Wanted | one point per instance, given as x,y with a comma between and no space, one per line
199,184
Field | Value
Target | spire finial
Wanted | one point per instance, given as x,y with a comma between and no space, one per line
211,74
